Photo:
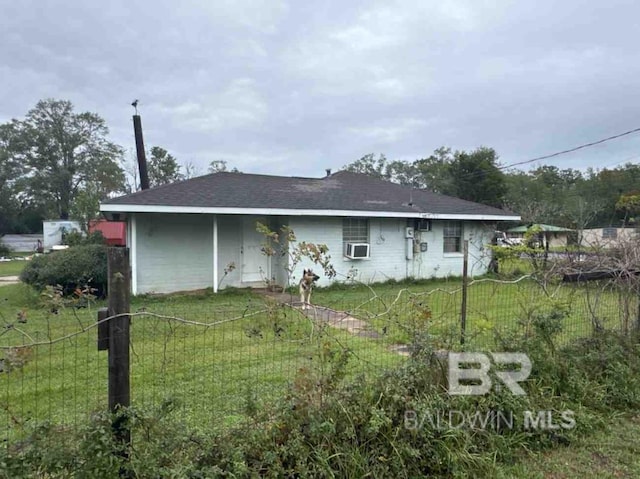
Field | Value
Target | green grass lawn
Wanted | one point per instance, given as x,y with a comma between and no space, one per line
240,348
12,268
610,453
494,308
237,350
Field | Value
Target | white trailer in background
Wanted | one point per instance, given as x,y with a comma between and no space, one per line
53,231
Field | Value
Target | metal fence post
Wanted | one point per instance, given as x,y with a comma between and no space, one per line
463,306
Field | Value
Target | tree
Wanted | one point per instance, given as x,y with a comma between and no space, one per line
630,204
162,167
86,206
476,176
580,212
530,198
62,152
369,165
609,185
190,170
131,174
10,171
159,168
219,166
433,172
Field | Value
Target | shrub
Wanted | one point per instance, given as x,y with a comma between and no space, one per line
4,249
328,425
75,238
76,267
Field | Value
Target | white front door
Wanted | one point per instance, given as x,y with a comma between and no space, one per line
255,264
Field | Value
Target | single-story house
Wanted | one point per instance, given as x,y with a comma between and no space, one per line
201,232
550,236
607,237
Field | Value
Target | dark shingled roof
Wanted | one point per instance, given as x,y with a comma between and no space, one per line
341,191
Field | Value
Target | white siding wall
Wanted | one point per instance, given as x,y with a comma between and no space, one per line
230,250
279,262
388,250
229,246
174,252
436,263
594,237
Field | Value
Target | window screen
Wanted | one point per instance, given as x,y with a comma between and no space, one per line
355,230
452,237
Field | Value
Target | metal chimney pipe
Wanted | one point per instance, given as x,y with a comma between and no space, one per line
142,159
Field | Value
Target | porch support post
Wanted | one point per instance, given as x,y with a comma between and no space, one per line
133,249
215,253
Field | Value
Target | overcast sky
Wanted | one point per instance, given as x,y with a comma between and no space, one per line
292,88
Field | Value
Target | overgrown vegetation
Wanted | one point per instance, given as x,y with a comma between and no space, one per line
329,425
389,421
284,244
76,238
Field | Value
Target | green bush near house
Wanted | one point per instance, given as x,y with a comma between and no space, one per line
75,238
75,267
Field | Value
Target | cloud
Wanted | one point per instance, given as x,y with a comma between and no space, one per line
296,87
391,132
238,106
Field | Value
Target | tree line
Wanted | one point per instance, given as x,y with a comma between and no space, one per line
57,163
546,194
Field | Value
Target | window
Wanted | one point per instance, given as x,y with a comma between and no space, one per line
355,230
609,233
452,237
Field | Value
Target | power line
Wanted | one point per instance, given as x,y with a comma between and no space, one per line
473,174
563,152
626,160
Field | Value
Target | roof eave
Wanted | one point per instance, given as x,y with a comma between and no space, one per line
129,208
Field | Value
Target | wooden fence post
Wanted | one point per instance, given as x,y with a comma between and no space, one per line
463,307
119,284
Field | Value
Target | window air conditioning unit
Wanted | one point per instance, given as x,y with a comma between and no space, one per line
357,250
423,225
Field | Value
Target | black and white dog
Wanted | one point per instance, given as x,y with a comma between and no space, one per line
306,285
